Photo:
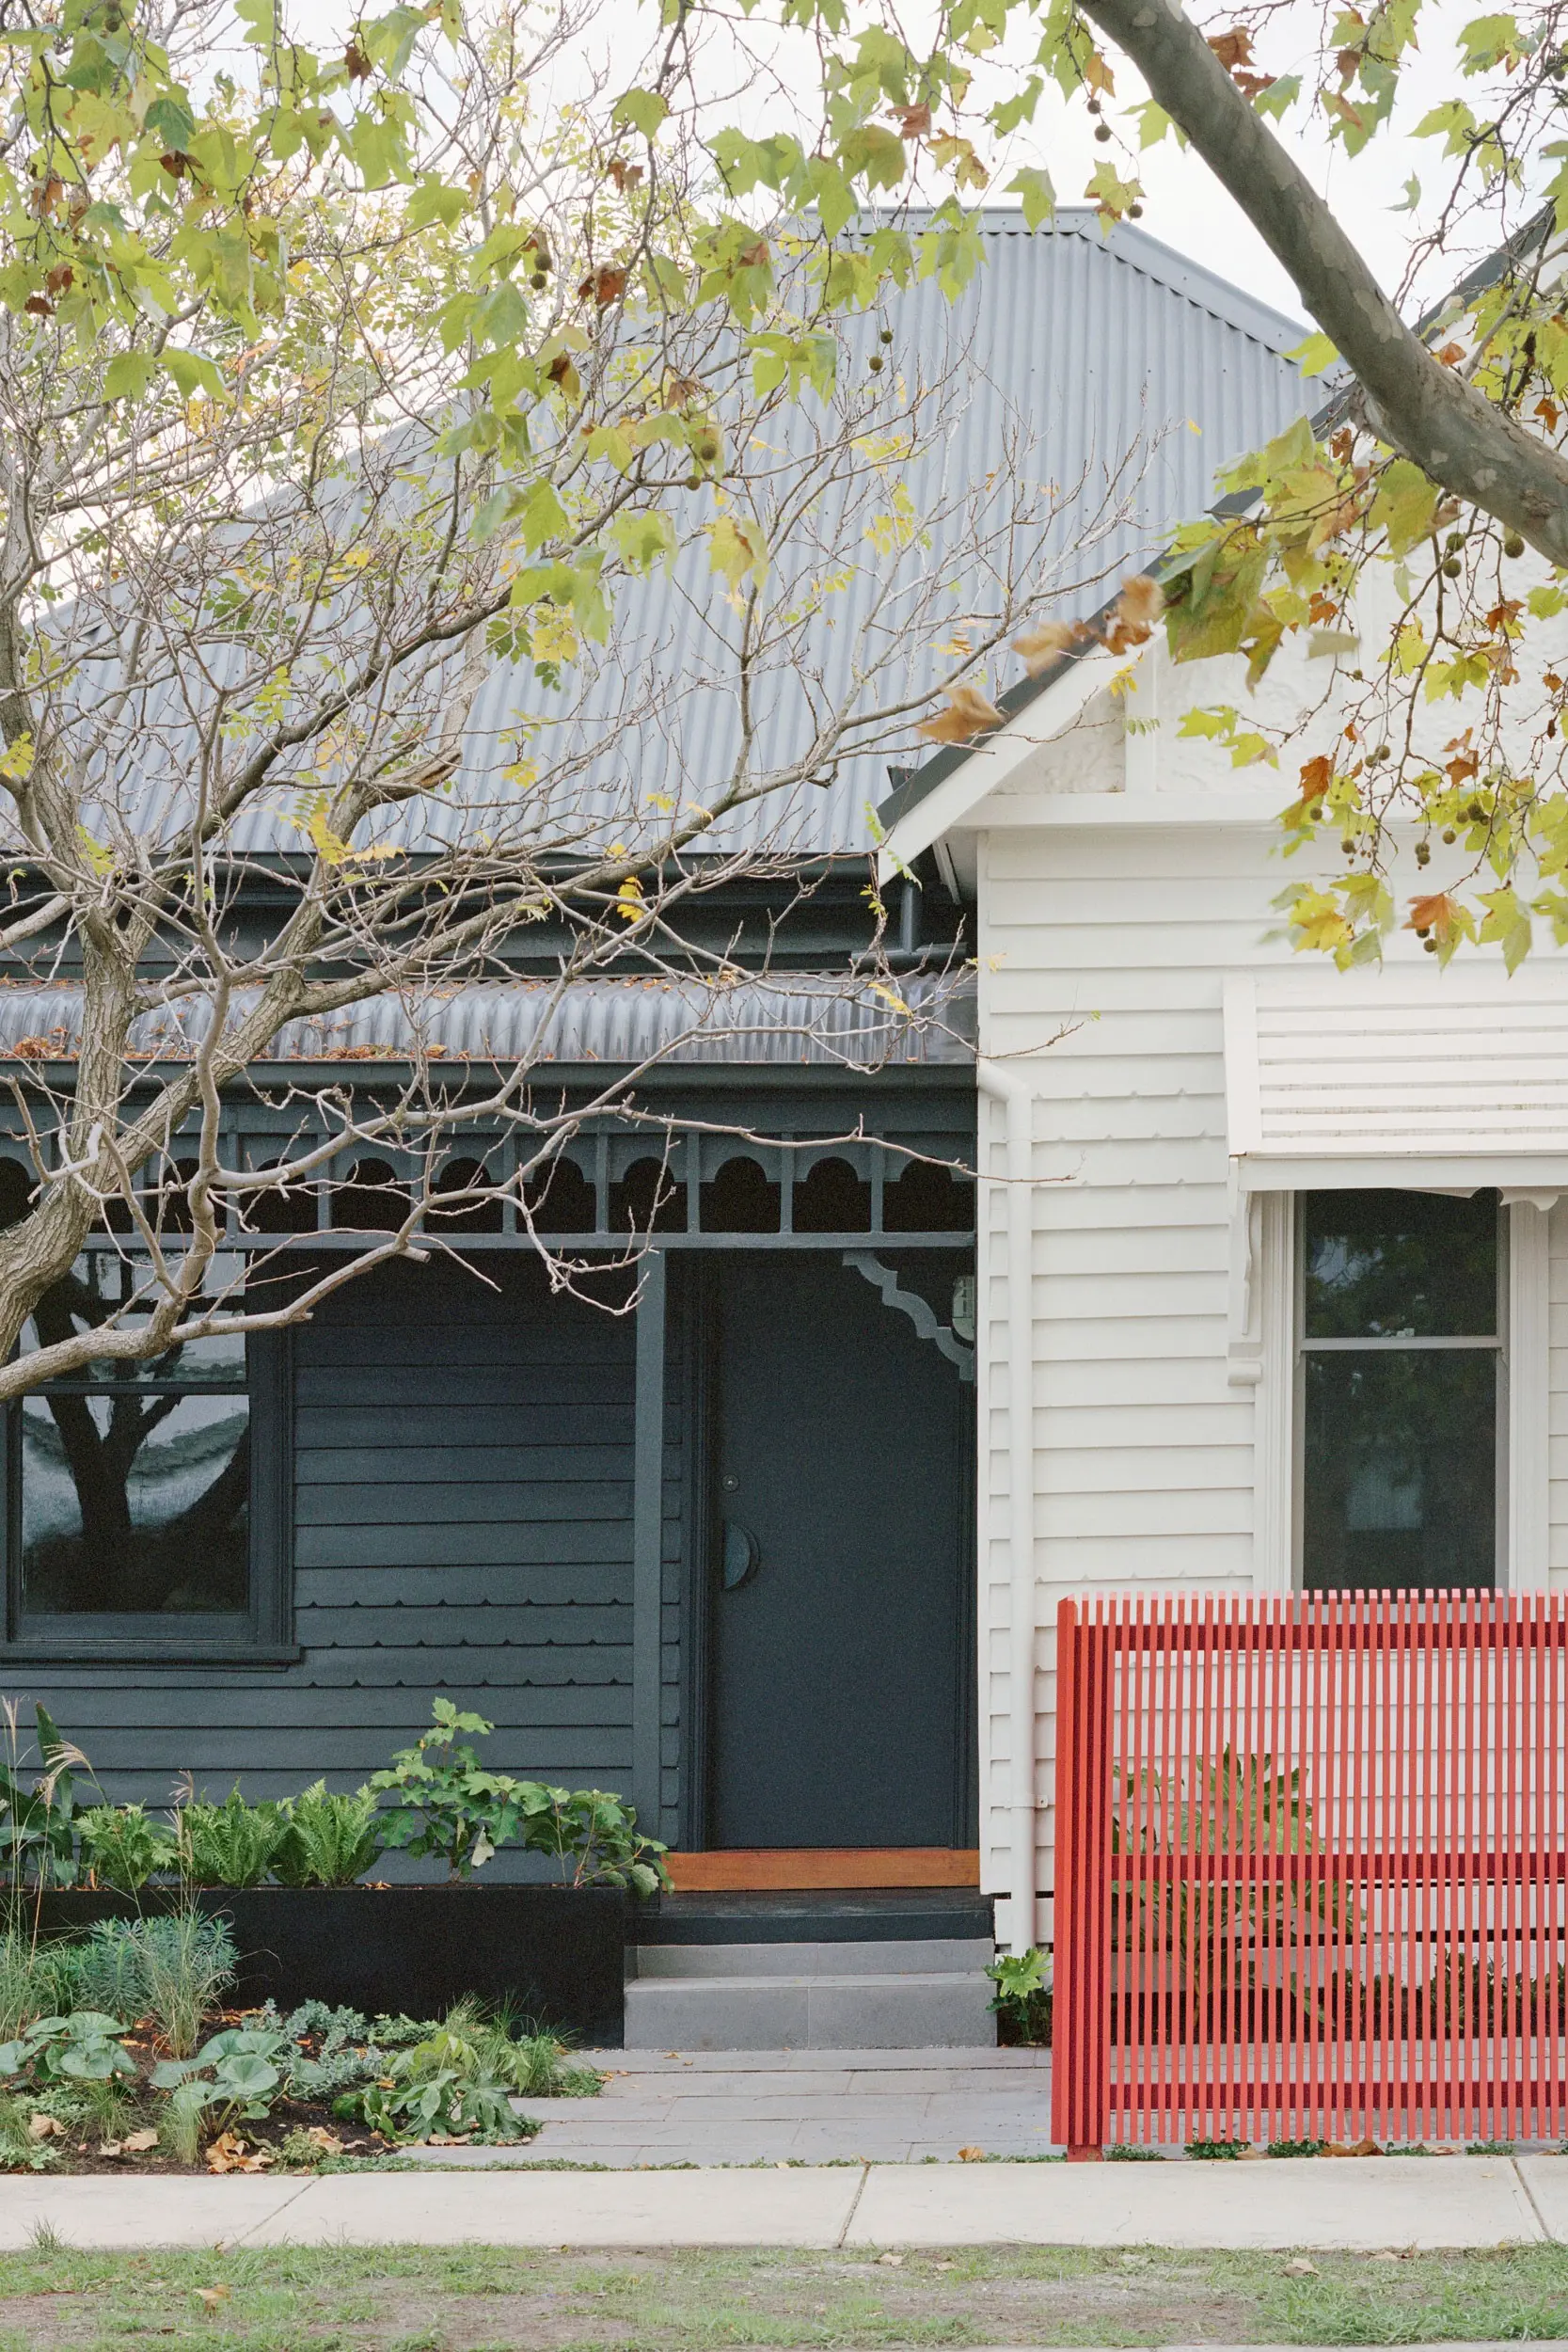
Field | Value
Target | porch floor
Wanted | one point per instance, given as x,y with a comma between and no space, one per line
809,2107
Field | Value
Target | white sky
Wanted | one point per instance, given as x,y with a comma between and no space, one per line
1184,205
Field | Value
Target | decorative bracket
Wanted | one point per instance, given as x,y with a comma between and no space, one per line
923,1316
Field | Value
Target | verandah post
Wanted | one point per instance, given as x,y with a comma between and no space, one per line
1081,2007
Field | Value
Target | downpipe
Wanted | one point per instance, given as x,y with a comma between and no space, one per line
1017,1105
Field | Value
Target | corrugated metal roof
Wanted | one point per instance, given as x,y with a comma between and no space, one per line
790,1020
1099,344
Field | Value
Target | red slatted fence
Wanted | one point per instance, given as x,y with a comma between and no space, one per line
1311,1868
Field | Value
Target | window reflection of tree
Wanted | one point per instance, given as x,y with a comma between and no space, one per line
122,1561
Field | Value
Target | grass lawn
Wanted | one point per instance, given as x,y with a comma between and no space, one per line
481,2299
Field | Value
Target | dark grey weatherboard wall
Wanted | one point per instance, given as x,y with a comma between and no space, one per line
463,1483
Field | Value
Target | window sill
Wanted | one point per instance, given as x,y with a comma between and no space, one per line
229,1654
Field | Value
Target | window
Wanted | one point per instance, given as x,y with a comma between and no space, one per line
147,1505
1400,1354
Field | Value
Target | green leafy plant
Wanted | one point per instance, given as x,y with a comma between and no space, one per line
230,1844
237,2073
460,2078
347,2052
592,1837
449,1806
328,1838
37,1981
84,2047
122,1849
1022,2000
1217,2151
38,1822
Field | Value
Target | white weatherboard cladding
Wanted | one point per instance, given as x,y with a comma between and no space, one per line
1350,1068
1105,952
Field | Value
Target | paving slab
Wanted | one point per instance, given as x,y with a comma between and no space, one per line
518,2208
97,2211
1545,2180
1358,2205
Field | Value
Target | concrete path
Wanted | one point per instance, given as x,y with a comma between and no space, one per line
811,2107
1361,2206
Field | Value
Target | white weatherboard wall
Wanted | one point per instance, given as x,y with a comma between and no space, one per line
1106,941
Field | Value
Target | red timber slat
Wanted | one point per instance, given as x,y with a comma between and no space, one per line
1312,1868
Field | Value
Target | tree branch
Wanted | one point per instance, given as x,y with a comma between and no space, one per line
1458,437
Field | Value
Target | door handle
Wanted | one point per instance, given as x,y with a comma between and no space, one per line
742,1555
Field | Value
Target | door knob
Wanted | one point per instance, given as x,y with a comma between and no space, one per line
742,1555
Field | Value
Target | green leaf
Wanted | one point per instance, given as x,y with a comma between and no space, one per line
1034,190
128,375
1405,505
643,540
191,372
433,201
641,110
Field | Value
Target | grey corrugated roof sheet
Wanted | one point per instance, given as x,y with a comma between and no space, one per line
1099,342
791,1021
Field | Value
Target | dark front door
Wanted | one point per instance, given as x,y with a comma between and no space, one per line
841,1658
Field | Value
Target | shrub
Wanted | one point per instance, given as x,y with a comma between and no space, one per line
450,1807
328,1838
174,1969
122,1849
1022,2000
230,1844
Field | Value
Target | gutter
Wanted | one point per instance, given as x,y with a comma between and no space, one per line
1018,1104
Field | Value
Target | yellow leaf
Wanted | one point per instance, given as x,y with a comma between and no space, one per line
735,549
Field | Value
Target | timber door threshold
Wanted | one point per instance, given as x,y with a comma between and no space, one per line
762,1869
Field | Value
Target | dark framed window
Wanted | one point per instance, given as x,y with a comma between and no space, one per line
147,1503
1401,1356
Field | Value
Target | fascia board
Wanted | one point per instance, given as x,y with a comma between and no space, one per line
995,759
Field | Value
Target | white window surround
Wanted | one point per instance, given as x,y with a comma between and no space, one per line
1262,1353
1405,1076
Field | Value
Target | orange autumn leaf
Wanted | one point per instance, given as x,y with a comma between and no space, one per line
1450,356
1434,913
1043,645
913,121
623,174
1233,48
603,287
1137,608
969,712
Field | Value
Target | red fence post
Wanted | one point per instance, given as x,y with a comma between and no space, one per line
1081,2007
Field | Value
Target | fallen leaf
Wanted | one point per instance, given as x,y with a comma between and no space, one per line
214,2298
891,2262
229,2154
328,2142
1299,2267
45,2127
969,712
972,2155
1042,645
1370,2147
1382,2258
138,2143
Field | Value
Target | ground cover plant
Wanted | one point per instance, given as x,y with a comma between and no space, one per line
159,2074
402,2298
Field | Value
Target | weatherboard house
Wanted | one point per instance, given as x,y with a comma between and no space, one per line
776,1554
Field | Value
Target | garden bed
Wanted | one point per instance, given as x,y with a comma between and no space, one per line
551,1954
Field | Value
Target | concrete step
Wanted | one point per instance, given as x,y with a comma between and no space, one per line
815,2010
924,1956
